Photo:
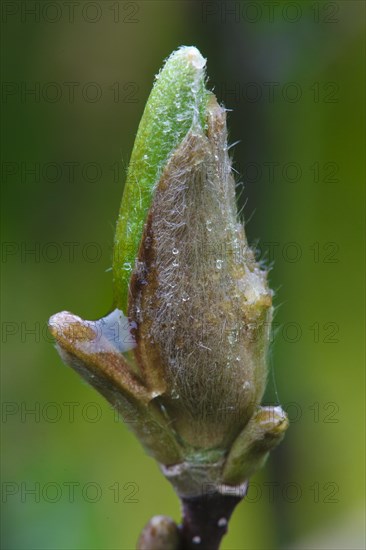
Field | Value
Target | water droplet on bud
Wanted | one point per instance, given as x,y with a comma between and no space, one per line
174,394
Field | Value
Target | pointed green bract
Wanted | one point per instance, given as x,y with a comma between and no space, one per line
176,104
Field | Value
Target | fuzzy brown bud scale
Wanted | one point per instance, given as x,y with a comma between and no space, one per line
200,302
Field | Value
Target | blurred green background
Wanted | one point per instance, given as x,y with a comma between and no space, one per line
75,80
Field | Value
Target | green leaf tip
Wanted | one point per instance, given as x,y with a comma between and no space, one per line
177,102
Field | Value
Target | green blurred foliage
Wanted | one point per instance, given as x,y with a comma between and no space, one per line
308,219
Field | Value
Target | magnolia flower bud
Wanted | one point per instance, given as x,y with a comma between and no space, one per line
185,350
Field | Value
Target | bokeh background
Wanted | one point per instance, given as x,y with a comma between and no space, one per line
75,80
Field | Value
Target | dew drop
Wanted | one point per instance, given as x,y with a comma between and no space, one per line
175,251
209,225
127,266
175,263
174,394
185,297
222,522
219,264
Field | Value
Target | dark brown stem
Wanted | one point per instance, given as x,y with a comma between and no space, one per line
205,520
